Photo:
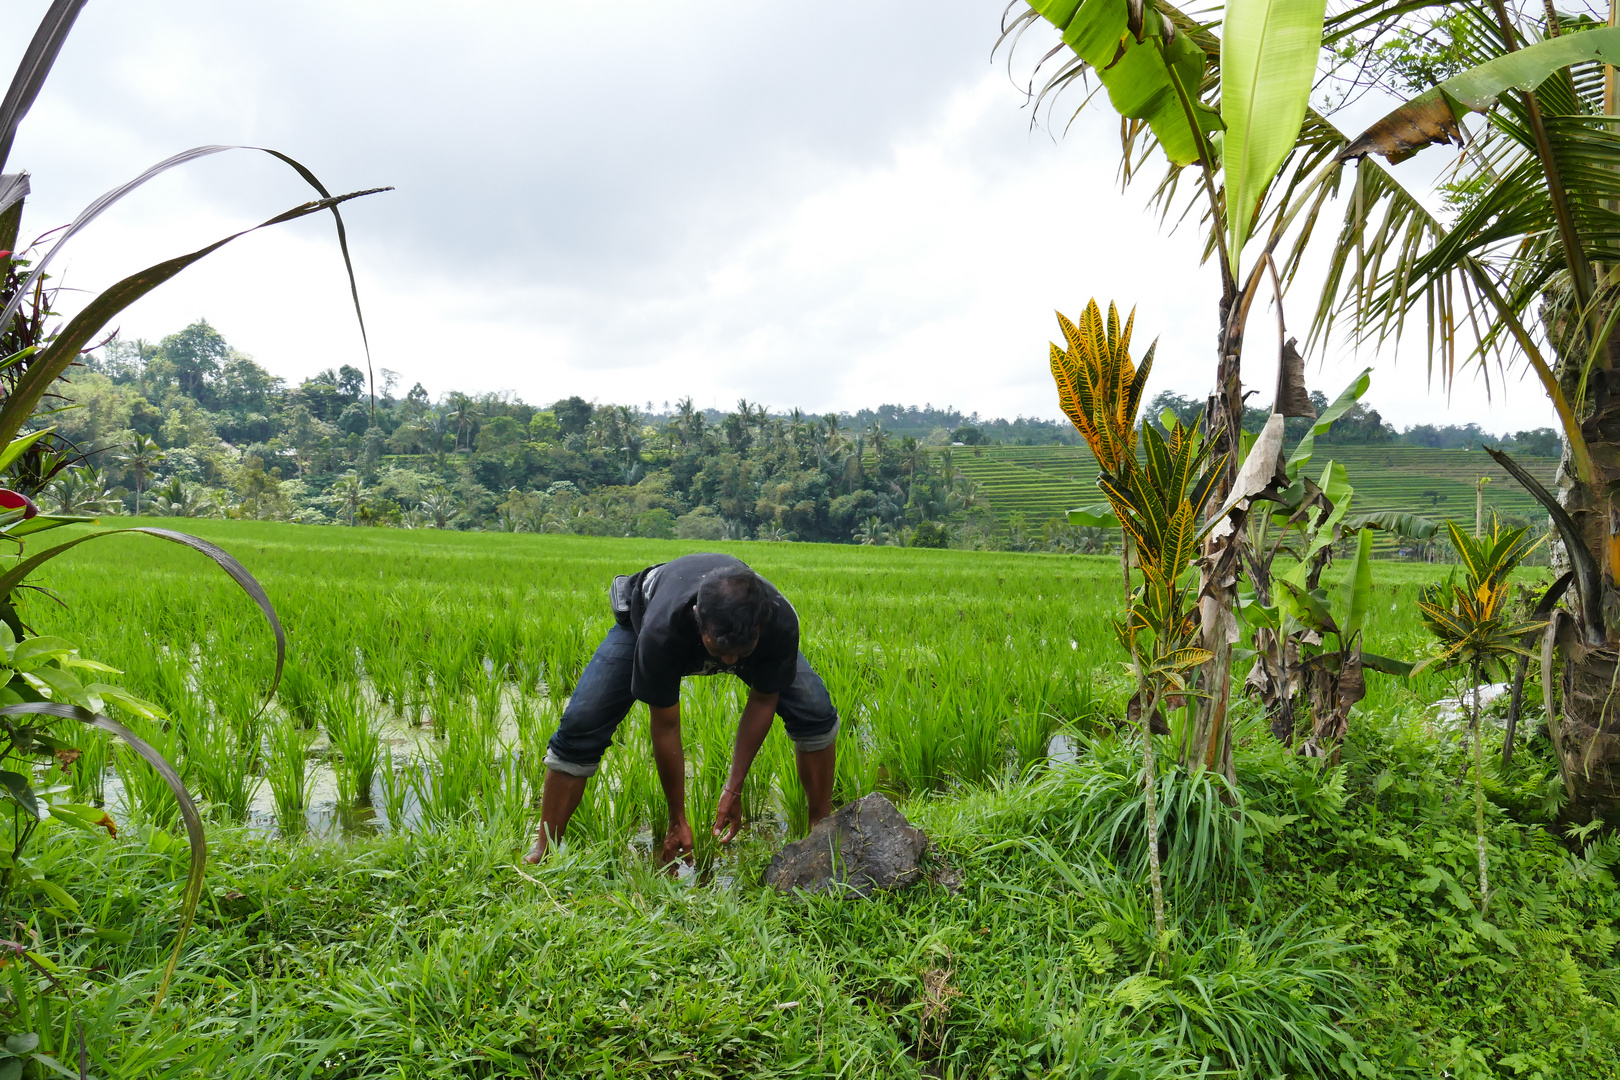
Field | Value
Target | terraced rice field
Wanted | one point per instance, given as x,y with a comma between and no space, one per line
1044,481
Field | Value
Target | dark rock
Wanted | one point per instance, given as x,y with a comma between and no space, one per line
865,845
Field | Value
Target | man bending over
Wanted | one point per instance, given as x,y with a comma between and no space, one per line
696,615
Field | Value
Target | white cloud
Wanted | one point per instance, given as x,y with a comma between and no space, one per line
828,206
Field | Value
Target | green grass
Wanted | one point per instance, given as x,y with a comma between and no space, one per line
1323,921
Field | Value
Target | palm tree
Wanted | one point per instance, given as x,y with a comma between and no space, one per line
349,494
140,458
179,498
81,490
1535,228
872,532
463,413
440,507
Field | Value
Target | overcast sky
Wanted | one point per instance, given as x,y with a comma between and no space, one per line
827,205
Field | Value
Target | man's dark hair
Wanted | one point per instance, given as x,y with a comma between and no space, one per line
731,606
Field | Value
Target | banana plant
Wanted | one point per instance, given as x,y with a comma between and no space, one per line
1306,520
1156,64
1478,634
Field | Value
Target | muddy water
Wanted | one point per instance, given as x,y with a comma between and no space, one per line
412,746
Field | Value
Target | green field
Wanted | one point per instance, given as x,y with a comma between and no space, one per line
1323,922
1042,481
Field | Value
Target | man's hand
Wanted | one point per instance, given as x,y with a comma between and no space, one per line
677,845
728,816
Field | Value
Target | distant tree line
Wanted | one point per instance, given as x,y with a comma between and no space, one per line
188,426
1363,426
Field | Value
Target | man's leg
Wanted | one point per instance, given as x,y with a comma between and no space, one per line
598,705
816,771
811,721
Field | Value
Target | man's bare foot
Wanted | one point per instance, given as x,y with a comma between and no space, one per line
538,851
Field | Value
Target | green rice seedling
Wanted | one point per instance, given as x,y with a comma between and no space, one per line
641,794
88,774
980,753
758,792
489,691
702,800
504,799
222,767
533,734
147,797
790,796
450,784
301,692
527,663
1032,731
443,707
241,705
856,768
288,770
351,727
566,653
394,783
916,742
590,816
388,670
454,656
418,690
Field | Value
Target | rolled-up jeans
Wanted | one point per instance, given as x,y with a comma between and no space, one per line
602,700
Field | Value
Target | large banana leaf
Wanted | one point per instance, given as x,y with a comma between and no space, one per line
1139,57
1096,516
1342,404
1269,50
1435,116
1394,521
1356,593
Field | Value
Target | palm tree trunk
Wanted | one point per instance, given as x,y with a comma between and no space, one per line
1586,721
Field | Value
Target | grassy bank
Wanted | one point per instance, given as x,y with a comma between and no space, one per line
1324,923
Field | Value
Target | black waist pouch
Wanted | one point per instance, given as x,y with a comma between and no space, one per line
629,593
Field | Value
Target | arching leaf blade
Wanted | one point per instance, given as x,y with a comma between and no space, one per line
222,558
65,348
195,834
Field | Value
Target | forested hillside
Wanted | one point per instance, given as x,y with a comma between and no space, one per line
189,426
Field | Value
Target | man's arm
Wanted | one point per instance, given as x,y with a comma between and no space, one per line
755,724
671,762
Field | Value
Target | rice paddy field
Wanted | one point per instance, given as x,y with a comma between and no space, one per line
1042,481
365,913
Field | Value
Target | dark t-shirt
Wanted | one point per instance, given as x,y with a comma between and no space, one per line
669,644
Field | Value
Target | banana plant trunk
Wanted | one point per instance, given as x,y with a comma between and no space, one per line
1210,742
